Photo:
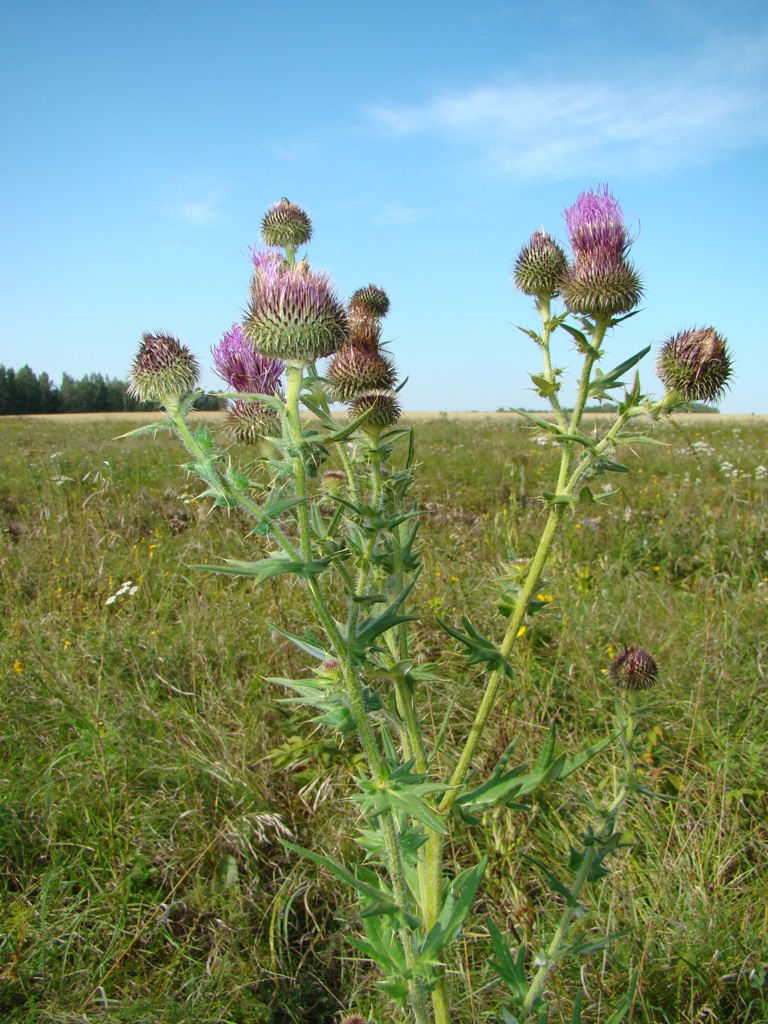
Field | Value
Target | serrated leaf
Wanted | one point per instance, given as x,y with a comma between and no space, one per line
577,438
610,380
573,763
580,337
341,435
458,903
480,648
511,971
640,439
146,429
531,334
266,568
551,428
308,643
272,401
559,499
544,387
378,896
553,880
607,466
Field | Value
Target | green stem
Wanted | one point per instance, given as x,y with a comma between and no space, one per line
544,306
461,770
293,382
606,831
218,480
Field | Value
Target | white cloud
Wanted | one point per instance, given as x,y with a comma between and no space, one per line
199,211
398,213
651,116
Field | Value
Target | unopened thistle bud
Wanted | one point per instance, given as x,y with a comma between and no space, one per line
294,314
248,422
696,364
333,481
540,267
385,409
354,1020
371,299
601,281
163,369
364,329
634,669
355,370
286,225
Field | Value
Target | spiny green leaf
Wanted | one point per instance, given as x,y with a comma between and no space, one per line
585,345
458,903
610,380
271,401
309,642
480,648
544,387
510,970
147,429
531,334
559,499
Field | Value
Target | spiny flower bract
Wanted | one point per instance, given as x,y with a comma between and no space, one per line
696,364
163,369
372,299
294,313
540,266
634,669
286,225
355,370
385,409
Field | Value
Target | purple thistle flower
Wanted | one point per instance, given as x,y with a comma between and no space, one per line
602,282
264,259
243,368
596,222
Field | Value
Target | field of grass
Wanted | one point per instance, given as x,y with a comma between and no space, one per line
147,770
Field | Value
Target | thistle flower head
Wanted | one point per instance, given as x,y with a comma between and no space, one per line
265,258
596,221
602,281
355,370
248,422
285,224
364,329
634,669
540,266
243,368
696,364
385,409
372,300
294,313
333,480
163,369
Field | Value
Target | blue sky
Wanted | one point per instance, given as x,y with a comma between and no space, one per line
142,144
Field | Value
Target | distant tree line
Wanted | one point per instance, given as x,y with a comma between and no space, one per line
23,392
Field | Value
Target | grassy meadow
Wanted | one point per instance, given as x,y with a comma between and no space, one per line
147,769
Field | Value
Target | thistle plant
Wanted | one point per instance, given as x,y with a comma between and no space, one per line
331,507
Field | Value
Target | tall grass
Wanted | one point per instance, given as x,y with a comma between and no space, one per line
143,781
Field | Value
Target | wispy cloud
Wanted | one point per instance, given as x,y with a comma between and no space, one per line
200,210
656,116
399,213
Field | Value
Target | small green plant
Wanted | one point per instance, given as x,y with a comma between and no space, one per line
330,506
